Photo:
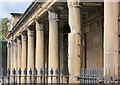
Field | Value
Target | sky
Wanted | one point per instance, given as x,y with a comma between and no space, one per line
17,6
13,6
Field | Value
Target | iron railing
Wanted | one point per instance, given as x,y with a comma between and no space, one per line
50,76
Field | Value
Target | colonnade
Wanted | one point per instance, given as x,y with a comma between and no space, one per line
22,52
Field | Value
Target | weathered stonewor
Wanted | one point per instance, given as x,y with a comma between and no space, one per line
23,54
19,49
15,54
31,51
74,41
39,47
53,41
8,54
111,39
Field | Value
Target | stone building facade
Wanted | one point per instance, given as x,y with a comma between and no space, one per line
68,35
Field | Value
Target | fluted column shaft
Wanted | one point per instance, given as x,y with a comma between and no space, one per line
53,40
31,50
19,49
74,40
15,54
8,54
11,57
39,46
111,39
24,52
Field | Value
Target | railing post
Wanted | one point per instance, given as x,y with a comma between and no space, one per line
2,76
88,73
35,75
41,73
91,76
51,73
95,75
83,75
80,75
14,75
19,73
57,72
8,74
30,73
46,75
61,74
25,75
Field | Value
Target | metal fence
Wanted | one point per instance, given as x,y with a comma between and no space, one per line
50,76
90,75
97,76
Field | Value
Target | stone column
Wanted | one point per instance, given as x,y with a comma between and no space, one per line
74,40
111,38
39,46
8,54
24,51
53,41
15,54
11,57
23,54
19,49
31,50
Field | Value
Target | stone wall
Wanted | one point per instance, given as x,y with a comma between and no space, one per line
94,45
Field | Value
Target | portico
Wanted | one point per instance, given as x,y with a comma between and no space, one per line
68,35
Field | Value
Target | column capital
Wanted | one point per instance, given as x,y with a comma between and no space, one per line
8,44
24,33
54,14
11,42
36,19
23,36
39,27
18,41
14,42
31,32
74,3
